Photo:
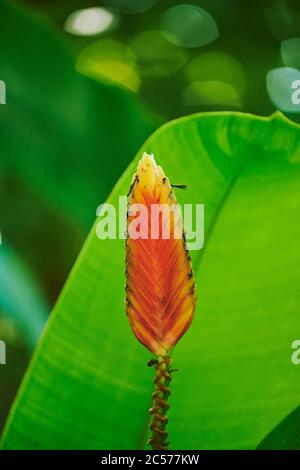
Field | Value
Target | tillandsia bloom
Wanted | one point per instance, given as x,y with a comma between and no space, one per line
160,288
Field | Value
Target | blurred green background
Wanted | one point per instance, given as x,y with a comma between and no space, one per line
222,64
86,83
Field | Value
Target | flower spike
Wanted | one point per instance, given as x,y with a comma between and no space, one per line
160,288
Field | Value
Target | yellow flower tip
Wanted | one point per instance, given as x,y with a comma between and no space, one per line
146,163
148,158
148,173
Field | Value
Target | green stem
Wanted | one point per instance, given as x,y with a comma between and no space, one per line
159,420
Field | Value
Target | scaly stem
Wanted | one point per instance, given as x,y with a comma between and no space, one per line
159,420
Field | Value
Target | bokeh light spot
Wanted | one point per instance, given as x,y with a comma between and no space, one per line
89,21
279,87
189,26
281,20
211,93
290,52
130,6
110,60
156,57
212,66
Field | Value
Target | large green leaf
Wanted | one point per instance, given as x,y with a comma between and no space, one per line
17,357
285,436
63,134
29,225
88,385
23,314
20,297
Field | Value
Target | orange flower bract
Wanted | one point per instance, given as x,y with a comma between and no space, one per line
160,289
